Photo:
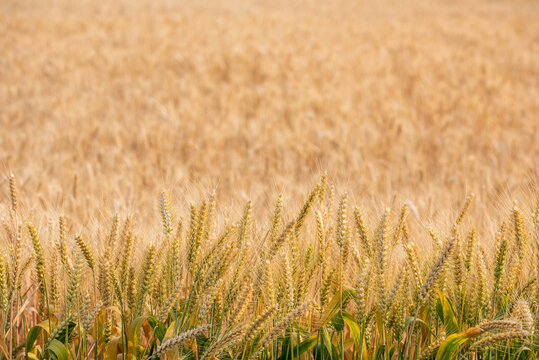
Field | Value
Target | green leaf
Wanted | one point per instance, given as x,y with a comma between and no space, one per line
297,350
439,310
380,352
286,346
34,332
334,353
330,348
356,332
132,334
31,337
58,349
353,325
307,344
159,329
335,305
320,352
451,345
449,319
409,320
338,322
392,350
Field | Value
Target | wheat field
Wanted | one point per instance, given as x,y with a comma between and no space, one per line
269,179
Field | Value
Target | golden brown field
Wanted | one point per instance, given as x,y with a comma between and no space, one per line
408,105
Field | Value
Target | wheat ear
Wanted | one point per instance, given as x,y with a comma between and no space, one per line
172,343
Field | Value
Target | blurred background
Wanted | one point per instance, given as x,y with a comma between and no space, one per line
102,104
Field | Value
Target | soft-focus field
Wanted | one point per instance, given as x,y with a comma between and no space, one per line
424,100
408,105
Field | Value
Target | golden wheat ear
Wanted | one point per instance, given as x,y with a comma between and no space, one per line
3,286
86,251
342,230
13,193
176,341
166,213
498,338
40,270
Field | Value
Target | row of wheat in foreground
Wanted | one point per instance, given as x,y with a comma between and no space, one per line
324,284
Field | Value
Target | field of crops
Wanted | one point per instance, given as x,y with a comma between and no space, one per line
241,180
